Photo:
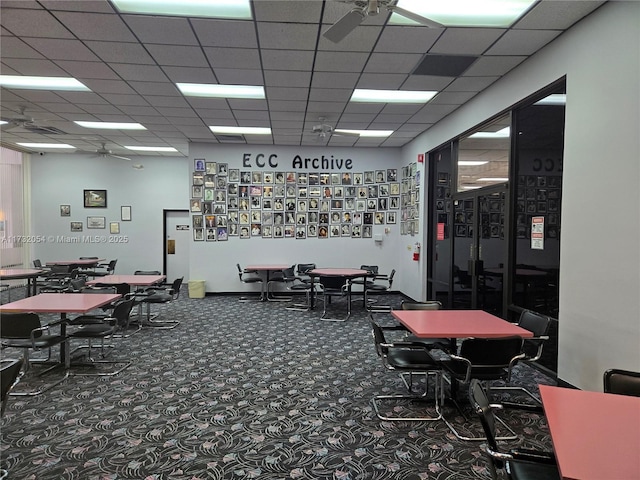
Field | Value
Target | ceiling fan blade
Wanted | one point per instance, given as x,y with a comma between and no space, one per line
415,17
118,156
345,25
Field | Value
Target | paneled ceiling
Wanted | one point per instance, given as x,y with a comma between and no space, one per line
131,64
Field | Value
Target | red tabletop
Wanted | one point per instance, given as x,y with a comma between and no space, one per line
60,302
595,435
84,262
270,268
457,324
16,273
144,280
338,272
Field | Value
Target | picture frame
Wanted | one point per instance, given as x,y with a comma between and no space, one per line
65,210
96,222
125,213
76,226
95,198
114,227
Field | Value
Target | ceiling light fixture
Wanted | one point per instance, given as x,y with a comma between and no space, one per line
493,179
151,149
471,163
391,96
503,133
464,13
111,125
241,130
45,145
221,91
42,83
231,9
366,133
553,99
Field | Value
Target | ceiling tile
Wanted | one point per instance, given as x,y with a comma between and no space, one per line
120,52
236,76
162,30
522,42
55,49
287,59
452,98
389,81
291,11
225,33
13,47
109,86
491,66
34,67
362,39
96,26
397,39
471,84
287,36
33,23
282,93
466,41
165,89
334,80
179,74
392,62
177,55
559,14
221,57
340,61
280,78
82,70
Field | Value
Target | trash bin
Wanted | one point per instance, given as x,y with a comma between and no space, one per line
196,288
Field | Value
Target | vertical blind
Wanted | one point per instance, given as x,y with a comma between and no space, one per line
11,208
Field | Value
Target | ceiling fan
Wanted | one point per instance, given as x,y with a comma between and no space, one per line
25,122
325,131
106,153
365,8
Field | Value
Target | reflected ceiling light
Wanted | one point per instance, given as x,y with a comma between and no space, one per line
241,130
471,163
553,99
2,122
42,83
470,187
493,179
221,91
391,96
151,149
366,133
504,133
45,145
111,125
464,13
235,9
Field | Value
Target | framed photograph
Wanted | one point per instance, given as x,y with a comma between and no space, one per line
96,222
199,164
65,210
114,227
95,199
76,226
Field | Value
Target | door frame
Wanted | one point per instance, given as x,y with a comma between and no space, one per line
165,212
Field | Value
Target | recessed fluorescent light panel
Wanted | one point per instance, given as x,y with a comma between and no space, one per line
221,91
42,83
472,163
151,149
231,9
241,130
391,96
504,133
111,125
464,13
553,99
45,145
366,133
493,179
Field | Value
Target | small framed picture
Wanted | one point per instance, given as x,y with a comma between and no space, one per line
76,226
65,210
199,164
95,199
114,227
125,213
96,222
198,234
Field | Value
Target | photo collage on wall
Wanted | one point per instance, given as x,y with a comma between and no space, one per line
538,195
227,202
410,200
443,201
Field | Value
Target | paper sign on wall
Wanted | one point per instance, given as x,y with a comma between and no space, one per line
440,231
537,233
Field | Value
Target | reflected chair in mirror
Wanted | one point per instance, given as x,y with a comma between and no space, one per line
9,378
409,359
484,359
26,332
251,278
445,344
378,288
334,288
160,295
622,382
281,277
537,324
518,464
116,322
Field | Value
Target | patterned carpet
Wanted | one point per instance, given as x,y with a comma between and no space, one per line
241,391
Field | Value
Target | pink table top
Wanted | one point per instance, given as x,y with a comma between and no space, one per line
76,262
60,302
457,324
266,267
595,435
9,273
144,280
338,272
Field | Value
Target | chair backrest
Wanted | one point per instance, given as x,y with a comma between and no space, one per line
239,270
289,274
622,382
37,263
378,338
491,352
175,287
9,373
101,288
19,325
372,269
332,284
77,284
88,258
112,266
430,305
535,322
147,272
303,268
121,288
391,275
121,312
480,403
59,269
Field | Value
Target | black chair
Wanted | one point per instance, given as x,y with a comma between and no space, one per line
24,331
622,382
519,464
160,294
103,269
9,377
408,359
445,344
302,270
334,287
55,279
282,277
484,359
250,278
117,321
366,281
297,285
378,288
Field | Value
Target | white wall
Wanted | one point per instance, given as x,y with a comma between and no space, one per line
59,179
600,262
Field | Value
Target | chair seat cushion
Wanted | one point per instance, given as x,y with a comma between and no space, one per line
158,298
522,470
44,341
459,370
410,359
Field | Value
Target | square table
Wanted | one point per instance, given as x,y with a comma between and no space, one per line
595,435
90,262
458,324
137,280
61,303
31,274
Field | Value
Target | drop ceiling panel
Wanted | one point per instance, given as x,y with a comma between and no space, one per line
466,41
177,55
13,47
292,11
162,30
496,65
558,14
109,86
33,23
96,26
175,74
522,42
245,58
82,70
36,67
131,71
287,59
236,76
119,52
288,36
394,62
397,39
229,33
56,49
340,62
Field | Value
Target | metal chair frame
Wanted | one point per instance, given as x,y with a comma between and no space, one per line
254,279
